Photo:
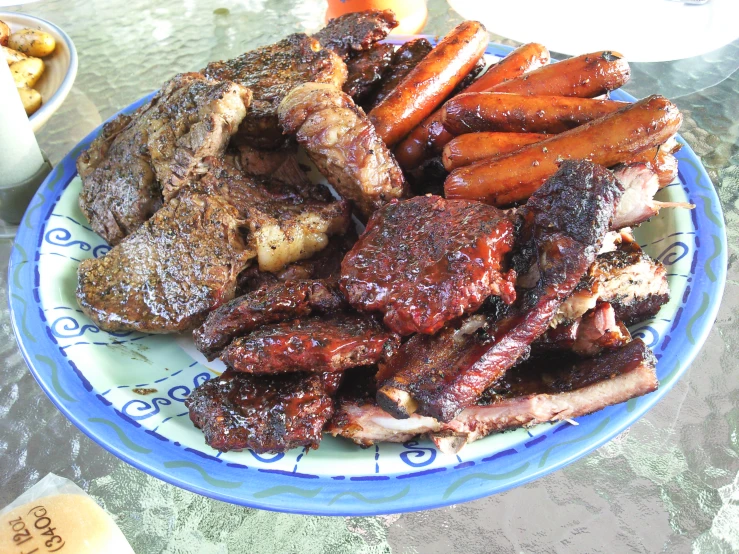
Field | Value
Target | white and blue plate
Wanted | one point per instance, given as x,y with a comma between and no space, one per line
91,375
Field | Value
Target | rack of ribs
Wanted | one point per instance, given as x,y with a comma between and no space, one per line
463,366
542,389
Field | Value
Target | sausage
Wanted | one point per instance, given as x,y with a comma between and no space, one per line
478,112
426,86
522,60
473,147
585,76
431,136
607,141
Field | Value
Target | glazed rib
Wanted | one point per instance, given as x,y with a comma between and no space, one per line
464,366
315,344
538,391
268,304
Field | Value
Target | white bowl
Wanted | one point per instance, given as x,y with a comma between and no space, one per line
61,66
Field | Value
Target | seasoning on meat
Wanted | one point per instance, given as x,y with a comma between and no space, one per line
426,261
144,159
319,343
343,144
264,414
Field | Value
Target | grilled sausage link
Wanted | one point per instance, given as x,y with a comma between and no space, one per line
473,147
494,111
430,82
607,141
585,76
431,136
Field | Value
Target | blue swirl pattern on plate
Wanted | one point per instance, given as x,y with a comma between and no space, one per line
152,432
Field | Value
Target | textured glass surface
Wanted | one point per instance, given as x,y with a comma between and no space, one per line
670,483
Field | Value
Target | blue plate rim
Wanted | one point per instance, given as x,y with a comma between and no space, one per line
362,492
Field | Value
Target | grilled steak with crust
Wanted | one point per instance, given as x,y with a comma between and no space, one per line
142,160
343,144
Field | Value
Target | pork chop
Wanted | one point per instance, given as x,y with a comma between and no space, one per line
426,261
142,160
269,304
264,414
366,70
272,71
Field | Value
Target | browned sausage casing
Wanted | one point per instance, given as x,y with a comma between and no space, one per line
607,141
430,137
478,112
585,76
426,86
522,60
473,147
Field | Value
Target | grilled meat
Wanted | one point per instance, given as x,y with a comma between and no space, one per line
406,57
540,390
588,335
343,144
640,183
426,261
142,160
325,264
627,278
366,69
462,367
269,304
171,272
470,77
356,31
328,343
285,223
271,72
264,414
185,260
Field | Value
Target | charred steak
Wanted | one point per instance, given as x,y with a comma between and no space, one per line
171,272
316,344
143,159
426,261
343,144
265,414
270,72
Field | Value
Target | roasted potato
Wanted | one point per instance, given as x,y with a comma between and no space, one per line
27,72
32,42
13,56
31,99
4,33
